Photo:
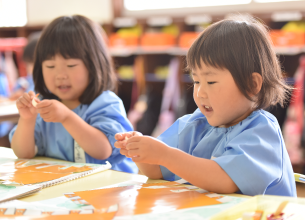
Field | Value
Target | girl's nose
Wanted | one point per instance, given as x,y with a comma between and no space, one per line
61,76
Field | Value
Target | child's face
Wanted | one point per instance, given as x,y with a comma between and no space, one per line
66,78
218,97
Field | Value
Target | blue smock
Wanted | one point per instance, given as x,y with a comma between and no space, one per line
5,127
105,113
4,86
252,152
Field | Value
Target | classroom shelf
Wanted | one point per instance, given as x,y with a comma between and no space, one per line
143,61
129,51
293,50
177,51
151,77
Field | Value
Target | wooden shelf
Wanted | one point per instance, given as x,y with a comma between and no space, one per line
129,51
177,51
293,50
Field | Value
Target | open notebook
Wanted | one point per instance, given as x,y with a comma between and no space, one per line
22,177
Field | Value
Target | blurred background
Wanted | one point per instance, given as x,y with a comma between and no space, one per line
148,41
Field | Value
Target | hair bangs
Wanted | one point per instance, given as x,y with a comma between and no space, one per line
63,40
208,49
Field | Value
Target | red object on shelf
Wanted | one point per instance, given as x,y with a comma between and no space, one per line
16,45
285,38
116,40
157,39
187,38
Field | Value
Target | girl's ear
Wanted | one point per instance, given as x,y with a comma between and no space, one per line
257,80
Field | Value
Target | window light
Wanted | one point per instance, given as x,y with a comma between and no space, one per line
264,1
13,13
137,5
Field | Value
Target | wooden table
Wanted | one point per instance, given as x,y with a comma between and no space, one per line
97,180
8,111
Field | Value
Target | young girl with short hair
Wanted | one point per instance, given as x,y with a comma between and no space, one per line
229,144
79,113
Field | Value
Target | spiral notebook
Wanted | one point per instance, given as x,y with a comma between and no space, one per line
14,192
14,174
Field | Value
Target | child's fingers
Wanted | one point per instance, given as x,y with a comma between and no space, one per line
125,135
133,145
44,103
133,153
25,100
31,94
119,144
136,133
124,152
134,139
43,110
119,136
21,104
26,96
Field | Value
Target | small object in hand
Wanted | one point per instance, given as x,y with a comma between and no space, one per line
35,100
278,215
275,217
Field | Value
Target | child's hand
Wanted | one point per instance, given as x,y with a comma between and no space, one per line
145,149
123,137
126,135
122,140
52,110
14,96
25,107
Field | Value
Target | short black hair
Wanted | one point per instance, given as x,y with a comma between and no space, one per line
242,45
76,37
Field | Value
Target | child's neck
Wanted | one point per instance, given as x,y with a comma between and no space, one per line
241,118
71,104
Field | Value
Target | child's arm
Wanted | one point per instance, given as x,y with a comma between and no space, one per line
150,170
93,141
23,141
204,173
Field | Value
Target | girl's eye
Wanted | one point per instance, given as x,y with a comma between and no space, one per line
210,83
196,82
50,67
72,65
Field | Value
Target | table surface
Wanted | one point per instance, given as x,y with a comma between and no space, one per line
97,180
8,111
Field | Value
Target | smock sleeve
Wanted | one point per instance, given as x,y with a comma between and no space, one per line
253,158
107,114
37,135
171,138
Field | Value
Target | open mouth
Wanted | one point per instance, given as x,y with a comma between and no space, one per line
64,88
208,108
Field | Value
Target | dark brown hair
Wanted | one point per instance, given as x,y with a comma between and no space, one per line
242,45
76,37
